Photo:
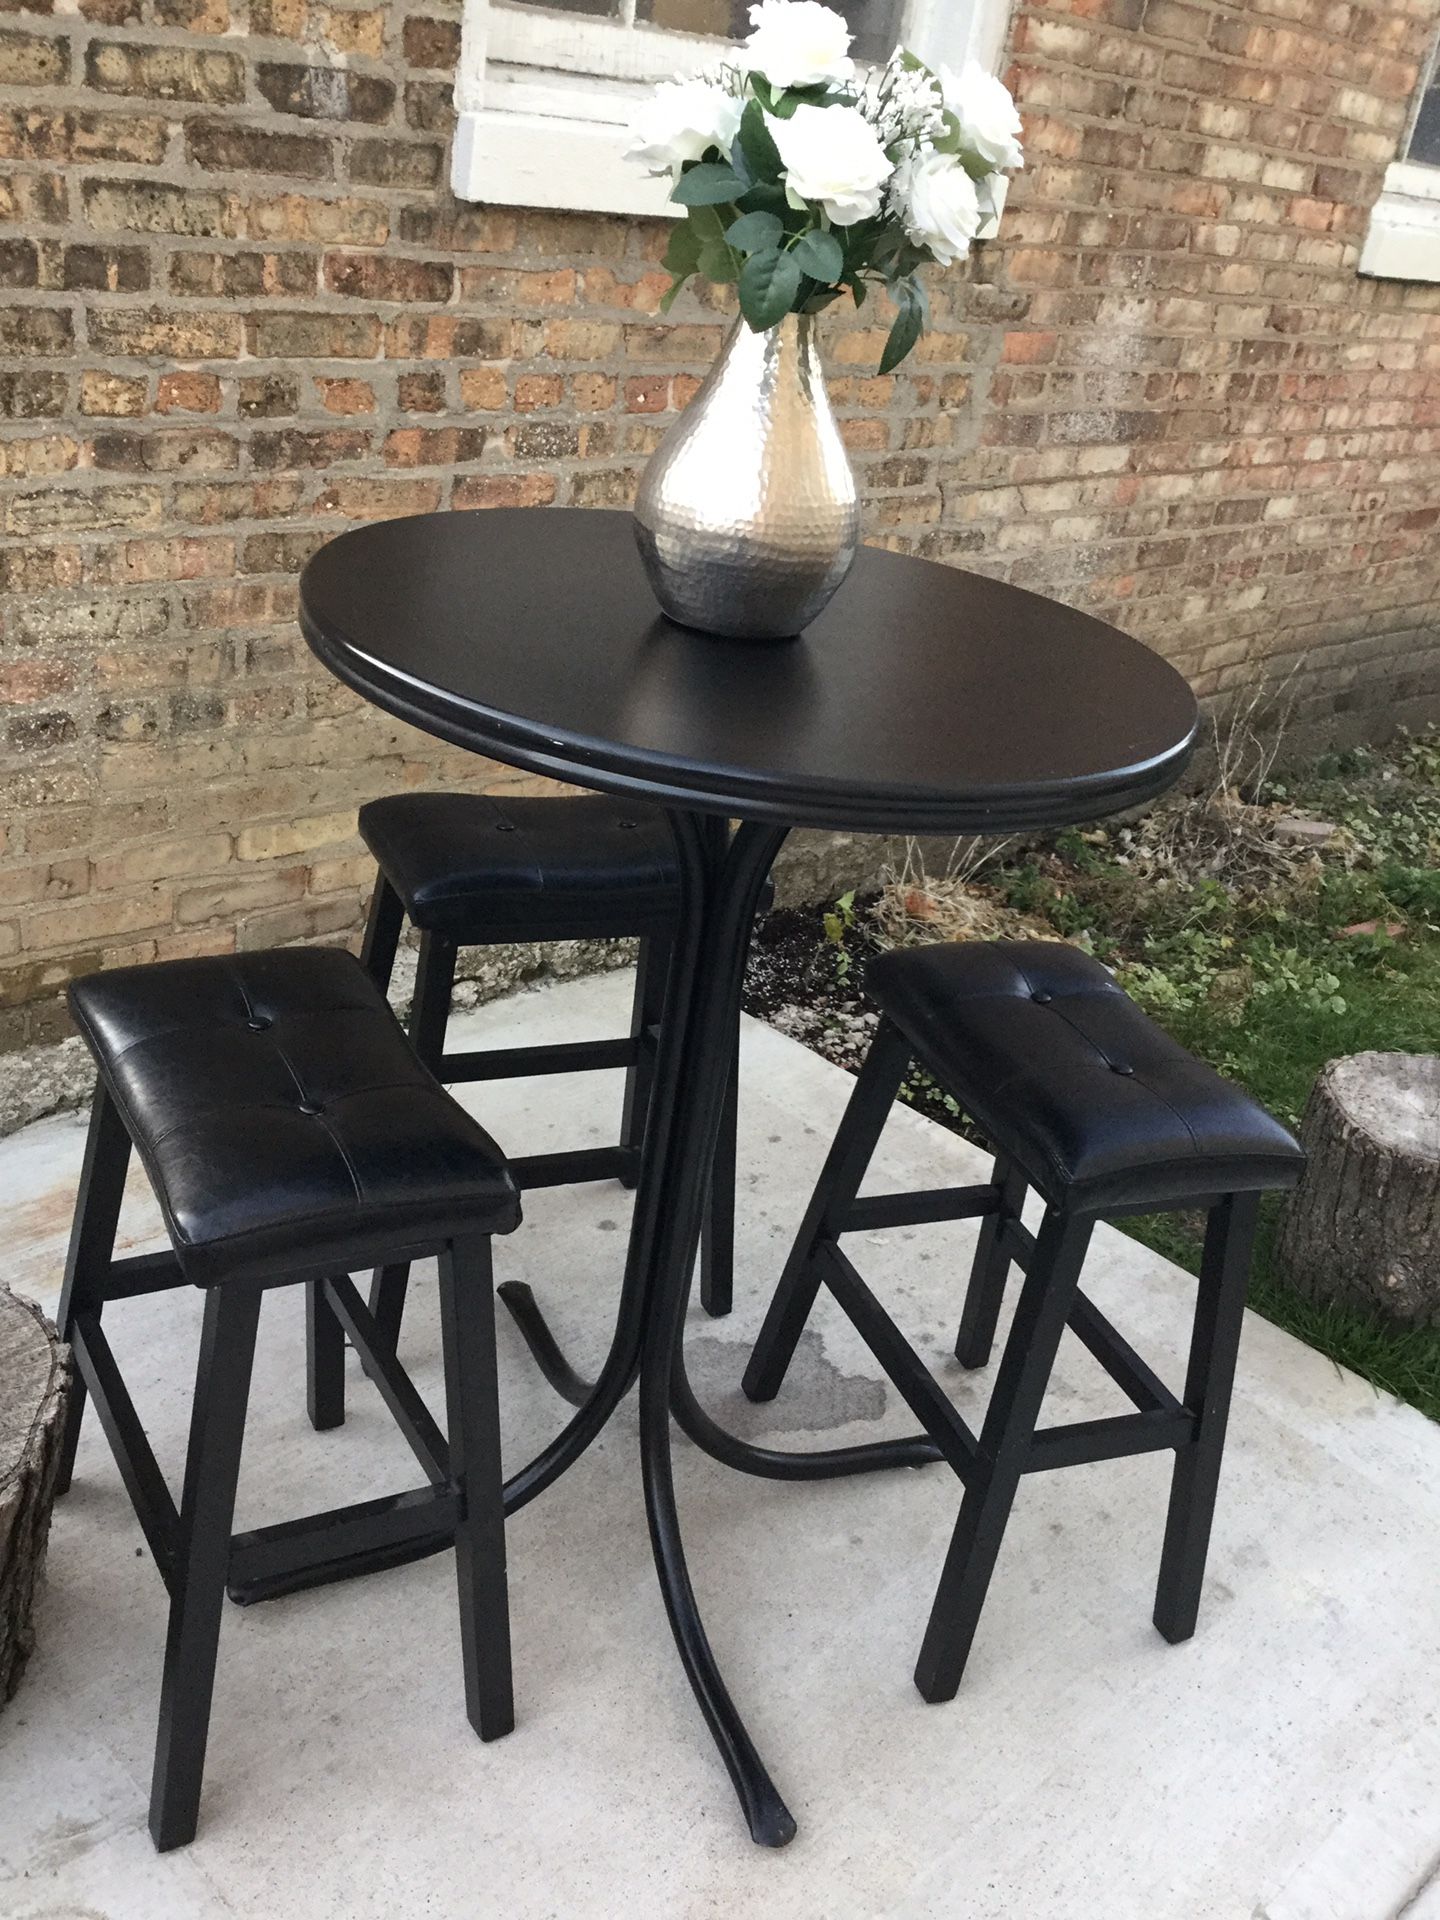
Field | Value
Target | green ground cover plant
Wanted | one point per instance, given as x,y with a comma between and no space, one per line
1263,944
1269,967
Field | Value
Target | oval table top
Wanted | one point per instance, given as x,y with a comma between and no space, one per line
922,700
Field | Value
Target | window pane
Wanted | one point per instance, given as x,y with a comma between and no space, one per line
721,17
1425,140
874,23
605,9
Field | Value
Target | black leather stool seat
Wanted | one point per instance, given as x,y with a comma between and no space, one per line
280,1111
1066,1076
472,867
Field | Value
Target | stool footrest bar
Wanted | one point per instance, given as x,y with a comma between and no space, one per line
322,1547
141,1273
533,1170
512,1063
920,1392
1084,1441
877,1210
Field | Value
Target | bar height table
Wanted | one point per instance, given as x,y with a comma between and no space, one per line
923,700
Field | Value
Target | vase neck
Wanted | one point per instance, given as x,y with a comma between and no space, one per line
784,354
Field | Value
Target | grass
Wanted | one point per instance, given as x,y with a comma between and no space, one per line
1246,949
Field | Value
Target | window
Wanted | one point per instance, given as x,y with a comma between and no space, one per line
1403,241
1424,147
545,91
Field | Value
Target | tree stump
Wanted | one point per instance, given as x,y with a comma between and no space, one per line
1363,1226
34,1383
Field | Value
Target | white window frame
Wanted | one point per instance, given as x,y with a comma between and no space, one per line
1403,238
1402,241
543,98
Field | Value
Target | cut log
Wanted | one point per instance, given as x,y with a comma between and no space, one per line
1363,1226
34,1383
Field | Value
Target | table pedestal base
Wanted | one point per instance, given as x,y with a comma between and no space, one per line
722,879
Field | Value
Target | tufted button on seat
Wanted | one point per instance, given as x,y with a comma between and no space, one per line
280,1110
476,868
1070,1079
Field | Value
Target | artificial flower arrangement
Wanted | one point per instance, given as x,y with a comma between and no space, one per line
804,178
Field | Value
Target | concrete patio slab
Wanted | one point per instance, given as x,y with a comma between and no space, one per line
1284,1765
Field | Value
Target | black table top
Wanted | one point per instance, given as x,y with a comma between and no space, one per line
923,699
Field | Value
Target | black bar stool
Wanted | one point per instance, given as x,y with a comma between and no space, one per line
1088,1101
470,871
291,1137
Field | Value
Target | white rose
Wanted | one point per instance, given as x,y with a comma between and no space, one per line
680,120
989,125
832,155
938,205
798,43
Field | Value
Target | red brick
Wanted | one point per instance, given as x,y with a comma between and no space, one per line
433,446
504,490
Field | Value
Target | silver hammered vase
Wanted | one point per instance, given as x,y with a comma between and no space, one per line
747,517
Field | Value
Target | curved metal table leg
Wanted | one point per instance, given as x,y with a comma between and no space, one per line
722,878
721,881
545,1349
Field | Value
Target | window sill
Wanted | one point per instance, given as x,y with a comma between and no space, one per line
1403,240
510,159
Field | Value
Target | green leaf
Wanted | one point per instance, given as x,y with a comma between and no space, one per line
706,185
820,255
950,140
783,105
886,245
909,325
683,253
857,287
719,262
764,198
769,283
667,299
756,232
757,144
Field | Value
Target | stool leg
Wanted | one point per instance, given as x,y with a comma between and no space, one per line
873,1096
92,1244
652,972
717,1233
1214,1347
324,1360
1040,1317
472,1400
197,1583
991,1268
434,984
382,932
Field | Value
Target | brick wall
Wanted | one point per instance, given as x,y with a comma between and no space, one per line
241,311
